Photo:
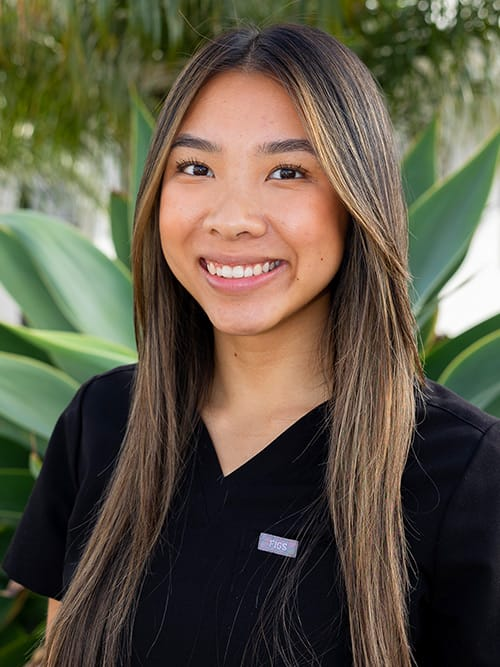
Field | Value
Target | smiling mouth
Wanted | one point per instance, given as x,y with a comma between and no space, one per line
239,270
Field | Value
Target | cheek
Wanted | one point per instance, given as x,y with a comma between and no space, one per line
172,222
171,242
323,226
326,239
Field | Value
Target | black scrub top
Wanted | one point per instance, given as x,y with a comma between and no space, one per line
210,583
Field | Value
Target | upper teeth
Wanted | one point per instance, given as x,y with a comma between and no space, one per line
240,270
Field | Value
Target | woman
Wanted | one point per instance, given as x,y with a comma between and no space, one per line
288,491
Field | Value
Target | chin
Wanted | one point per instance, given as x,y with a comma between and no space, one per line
242,326
239,330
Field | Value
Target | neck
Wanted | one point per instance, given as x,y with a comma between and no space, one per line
269,373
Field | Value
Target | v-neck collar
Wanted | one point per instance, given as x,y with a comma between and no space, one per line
289,448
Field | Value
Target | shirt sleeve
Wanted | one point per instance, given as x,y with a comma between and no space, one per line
35,557
466,599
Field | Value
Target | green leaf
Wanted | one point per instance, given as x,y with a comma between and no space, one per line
443,353
419,165
15,651
32,394
142,124
15,489
475,372
21,279
493,407
118,212
6,535
78,355
35,464
12,454
8,608
11,342
443,220
427,330
27,439
94,293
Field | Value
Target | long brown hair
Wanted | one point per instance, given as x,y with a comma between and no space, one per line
369,353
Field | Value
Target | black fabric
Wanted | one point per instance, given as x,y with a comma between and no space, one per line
208,583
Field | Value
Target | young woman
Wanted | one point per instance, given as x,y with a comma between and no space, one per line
273,483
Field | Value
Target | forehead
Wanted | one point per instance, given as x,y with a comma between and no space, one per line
238,104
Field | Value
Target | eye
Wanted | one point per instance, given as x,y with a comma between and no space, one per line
193,168
287,172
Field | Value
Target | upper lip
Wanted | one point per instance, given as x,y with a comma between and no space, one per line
238,261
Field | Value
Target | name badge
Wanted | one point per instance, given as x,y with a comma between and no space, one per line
278,545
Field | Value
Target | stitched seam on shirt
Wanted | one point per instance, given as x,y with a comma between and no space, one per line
481,430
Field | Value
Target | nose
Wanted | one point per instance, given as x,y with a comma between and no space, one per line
234,215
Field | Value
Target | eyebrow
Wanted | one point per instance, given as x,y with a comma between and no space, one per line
286,146
190,141
268,148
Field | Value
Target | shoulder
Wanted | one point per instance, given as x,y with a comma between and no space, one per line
78,464
455,454
98,418
453,514
450,429
110,389
441,407
87,436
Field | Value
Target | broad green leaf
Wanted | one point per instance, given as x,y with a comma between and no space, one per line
451,269
78,355
142,124
8,609
427,312
15,652
443,220
493,407
427,330
118,213
15,489
21,279
12,454
94,293
443,353
419,165
35,464
33,394
32,615
475,372
10,634
11,342
27,439
6,534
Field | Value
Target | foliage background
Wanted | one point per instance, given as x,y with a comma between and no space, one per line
67,68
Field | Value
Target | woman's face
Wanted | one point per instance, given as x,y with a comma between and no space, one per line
249,222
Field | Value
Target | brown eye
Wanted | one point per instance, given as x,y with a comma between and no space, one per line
286,173
195,169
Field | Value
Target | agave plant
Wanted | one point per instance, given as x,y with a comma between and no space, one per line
444,214
77,309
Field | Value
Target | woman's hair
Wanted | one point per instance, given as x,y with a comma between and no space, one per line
369,357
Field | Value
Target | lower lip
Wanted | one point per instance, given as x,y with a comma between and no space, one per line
233,285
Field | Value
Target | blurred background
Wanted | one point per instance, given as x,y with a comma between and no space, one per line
67,70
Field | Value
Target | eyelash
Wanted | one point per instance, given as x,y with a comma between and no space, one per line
292,167
182,164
